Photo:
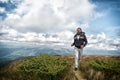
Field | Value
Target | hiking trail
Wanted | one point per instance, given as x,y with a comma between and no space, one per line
78,75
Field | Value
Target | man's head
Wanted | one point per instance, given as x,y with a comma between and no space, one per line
79,30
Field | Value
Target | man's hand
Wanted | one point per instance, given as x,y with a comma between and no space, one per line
81,46
72,45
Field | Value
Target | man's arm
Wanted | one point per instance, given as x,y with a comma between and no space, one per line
73,44
85,40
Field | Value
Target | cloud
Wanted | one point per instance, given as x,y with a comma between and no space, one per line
2,10
50,21
49,15
4,1
100,14
99,41
10,34
102,42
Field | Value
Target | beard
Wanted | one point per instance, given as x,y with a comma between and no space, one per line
79,33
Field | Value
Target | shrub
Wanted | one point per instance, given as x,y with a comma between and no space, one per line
42,67
110,69
100,69
110,66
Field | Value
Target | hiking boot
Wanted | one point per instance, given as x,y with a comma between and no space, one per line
76,69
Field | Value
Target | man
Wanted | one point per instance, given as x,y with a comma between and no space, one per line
80,42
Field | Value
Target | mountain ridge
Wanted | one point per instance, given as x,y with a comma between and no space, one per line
85,71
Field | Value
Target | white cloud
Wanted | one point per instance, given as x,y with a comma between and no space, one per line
99,41
66,35
49,15
101,37
13,35
50,21
11,1
100,14
4,1
2,10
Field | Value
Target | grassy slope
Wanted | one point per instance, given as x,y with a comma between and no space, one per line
100,67
47,67
42,67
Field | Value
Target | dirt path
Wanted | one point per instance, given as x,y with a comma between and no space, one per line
78,75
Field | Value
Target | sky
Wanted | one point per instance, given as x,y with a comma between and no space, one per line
57,20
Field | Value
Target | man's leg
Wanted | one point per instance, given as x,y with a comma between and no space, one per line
76,57
80,53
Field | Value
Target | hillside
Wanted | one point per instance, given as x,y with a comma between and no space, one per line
49,67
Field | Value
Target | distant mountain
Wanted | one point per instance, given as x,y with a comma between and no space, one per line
12,50
15,50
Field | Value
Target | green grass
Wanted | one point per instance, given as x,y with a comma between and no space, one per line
108,66
49,67
100,68
42,67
